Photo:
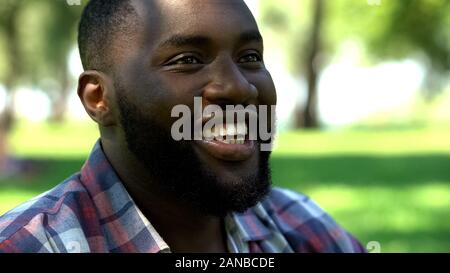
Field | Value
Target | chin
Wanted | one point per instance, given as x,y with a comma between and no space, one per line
234,186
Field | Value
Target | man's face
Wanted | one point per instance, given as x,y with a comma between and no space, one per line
187,49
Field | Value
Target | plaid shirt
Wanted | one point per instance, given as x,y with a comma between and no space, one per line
92,212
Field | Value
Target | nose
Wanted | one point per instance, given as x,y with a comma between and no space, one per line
229,86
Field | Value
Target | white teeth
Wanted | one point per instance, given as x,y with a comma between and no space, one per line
231,141
215,130
208,134
241,128
231,134
231,129
222,131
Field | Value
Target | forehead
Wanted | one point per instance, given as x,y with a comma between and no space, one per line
212,18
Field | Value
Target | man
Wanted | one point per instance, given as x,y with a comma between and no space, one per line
141,190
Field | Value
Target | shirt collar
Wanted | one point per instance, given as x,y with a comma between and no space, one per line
254,224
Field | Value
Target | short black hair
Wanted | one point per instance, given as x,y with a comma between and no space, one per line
100,23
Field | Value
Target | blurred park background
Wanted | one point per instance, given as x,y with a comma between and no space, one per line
363,115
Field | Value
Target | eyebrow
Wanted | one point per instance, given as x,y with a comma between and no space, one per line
185,40
251,36
199,40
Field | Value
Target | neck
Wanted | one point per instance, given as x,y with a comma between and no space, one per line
182,227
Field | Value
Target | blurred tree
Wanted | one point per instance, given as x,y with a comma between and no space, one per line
38,36
397,30
392,30
308,118
291,20
8,28
9,77
35,40
48,32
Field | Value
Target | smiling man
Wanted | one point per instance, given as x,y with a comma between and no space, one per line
143,191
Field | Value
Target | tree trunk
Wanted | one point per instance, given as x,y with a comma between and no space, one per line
59,103
308,117
7,116
10,28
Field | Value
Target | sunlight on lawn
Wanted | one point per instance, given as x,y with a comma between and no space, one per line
365,142
53,140
345,197
383,214
12,198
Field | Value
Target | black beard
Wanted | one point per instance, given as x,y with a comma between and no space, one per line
179,173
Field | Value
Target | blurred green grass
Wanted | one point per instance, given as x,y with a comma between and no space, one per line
390,186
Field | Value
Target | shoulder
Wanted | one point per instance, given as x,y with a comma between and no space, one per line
306,226
48,222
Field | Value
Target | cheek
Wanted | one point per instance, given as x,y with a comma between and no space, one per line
266,88
182,89
154,93
143,86
150,96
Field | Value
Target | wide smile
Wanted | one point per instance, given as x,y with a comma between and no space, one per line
228,142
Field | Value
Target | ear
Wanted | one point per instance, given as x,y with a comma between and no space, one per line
95,91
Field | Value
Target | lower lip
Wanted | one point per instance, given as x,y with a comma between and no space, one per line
228,152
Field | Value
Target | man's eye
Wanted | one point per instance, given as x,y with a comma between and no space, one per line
186,60
250,58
